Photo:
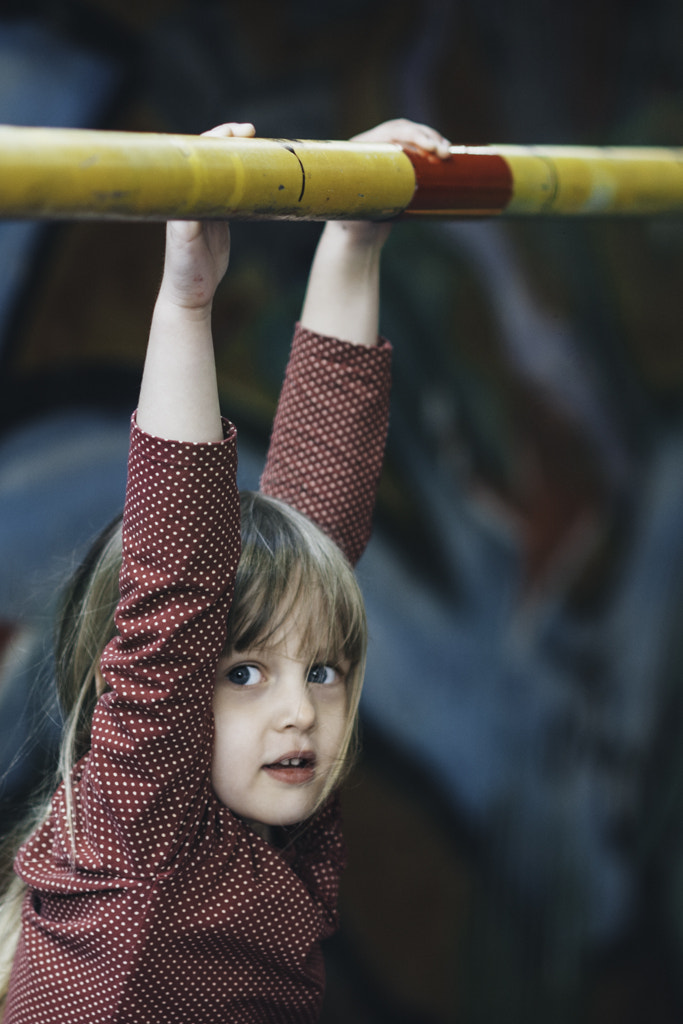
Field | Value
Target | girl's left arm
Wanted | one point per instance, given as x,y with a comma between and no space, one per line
342,297
330,428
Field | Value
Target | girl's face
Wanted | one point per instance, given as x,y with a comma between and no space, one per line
280,723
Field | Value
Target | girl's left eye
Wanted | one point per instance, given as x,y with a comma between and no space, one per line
245,675
322,674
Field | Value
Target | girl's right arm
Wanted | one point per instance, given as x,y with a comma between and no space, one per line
148,772
179,393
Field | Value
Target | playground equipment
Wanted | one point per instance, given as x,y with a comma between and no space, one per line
55,173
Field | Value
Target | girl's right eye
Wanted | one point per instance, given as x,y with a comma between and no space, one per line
244,675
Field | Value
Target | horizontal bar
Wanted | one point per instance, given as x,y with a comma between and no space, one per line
78,173
56,173
589,181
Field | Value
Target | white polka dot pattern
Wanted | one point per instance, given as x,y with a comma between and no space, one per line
171,909
329,433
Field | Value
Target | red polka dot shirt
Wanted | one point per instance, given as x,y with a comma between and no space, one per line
169,908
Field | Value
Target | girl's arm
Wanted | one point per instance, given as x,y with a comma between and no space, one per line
179,396
342,298
179,393
180,548
330,429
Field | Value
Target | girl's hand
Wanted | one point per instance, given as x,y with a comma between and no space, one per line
408,133
179,394
198,252
404,133
342,298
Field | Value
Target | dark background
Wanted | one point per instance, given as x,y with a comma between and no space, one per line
516,821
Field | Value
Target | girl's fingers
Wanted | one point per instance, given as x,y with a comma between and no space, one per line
233,129
184,232
432,141
404,132
400,131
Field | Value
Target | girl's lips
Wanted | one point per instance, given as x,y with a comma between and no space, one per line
293,769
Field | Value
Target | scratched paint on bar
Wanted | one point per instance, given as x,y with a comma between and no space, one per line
76,173
469,182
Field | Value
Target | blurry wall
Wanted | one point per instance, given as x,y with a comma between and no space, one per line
515,823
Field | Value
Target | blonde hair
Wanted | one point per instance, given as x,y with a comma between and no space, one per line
85,624
288,566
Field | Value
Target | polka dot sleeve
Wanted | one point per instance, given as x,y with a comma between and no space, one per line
329,433
152,732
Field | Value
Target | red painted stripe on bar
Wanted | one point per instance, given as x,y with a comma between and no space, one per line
465,182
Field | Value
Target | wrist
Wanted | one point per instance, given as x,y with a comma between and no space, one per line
352,256
342,298
367,237
174,309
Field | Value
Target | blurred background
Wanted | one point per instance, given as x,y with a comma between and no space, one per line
516,820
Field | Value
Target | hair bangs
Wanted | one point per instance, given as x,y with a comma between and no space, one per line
290,570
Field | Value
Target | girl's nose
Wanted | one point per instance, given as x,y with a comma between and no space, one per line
297,710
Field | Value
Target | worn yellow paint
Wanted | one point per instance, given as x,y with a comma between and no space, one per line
76,173
585,181
60,173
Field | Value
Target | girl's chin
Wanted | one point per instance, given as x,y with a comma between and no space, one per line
266,830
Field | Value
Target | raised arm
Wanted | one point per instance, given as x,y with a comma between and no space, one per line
342,298
330,429
180,550
179,393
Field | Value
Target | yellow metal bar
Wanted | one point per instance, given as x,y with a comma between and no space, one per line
75,173
584,181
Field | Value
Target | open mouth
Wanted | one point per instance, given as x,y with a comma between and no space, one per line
295,769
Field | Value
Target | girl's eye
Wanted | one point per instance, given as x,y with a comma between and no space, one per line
245,675
323,674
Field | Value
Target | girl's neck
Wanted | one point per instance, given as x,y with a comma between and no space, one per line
264,831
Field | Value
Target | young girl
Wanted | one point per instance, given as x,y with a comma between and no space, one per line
188,866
